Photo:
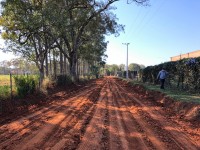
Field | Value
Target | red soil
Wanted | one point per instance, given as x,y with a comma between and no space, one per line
106,114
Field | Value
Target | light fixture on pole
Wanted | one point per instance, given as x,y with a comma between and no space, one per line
126,60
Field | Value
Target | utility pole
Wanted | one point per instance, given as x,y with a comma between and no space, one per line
126,60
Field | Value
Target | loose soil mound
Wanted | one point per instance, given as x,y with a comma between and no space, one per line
185,110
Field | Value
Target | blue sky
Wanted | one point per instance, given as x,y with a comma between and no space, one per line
167,28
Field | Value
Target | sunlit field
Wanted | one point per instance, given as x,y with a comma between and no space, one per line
5,80
5,86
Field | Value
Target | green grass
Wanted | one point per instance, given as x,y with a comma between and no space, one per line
5,86
176,94
4,92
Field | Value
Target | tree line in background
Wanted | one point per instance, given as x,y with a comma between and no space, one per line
183,74
18,66
120,70
21,66
23,78
65,35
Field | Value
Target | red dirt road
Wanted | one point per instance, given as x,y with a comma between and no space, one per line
104,115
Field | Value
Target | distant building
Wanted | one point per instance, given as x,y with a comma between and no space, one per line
187,55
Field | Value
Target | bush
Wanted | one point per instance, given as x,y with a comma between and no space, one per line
4,91
63,80
183,74
25,85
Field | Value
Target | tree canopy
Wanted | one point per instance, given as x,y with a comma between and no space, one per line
75,28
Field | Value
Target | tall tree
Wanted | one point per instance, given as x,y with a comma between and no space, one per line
122,67
26,29
134,67
34,25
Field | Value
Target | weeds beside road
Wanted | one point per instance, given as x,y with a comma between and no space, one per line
176,94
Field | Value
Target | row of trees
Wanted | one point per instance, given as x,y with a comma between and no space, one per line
74,30
116,69
18,66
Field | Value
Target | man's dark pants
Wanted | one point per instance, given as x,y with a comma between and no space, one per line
162,81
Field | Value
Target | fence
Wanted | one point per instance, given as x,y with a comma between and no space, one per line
15,86
6,85
6,89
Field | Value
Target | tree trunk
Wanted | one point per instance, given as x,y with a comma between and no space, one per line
65,65
83,69
77,70
54,65
61,63
47,66
41,75
50,63
73,67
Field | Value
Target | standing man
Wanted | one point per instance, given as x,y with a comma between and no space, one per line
162,75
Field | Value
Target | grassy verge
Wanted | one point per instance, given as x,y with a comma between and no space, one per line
5,86
4,92
173,93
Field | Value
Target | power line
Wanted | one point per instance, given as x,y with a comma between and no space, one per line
140,26
152,16
133,30
133,22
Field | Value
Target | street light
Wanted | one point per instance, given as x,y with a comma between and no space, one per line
126,60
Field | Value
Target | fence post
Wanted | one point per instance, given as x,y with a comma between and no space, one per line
1,106
11,86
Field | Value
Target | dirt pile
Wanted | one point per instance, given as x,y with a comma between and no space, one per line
185,110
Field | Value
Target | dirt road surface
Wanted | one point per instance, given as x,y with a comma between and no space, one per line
104,115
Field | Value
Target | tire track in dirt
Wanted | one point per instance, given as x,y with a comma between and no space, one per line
70,125
39,138
118,138
103,116
49,124
94,132
6,131
106,129
163,128
73,137
40,123
134,132
18,126
117,132
149,136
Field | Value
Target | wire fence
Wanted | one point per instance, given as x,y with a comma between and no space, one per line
6,86
12,86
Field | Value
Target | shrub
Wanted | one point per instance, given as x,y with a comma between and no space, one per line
63,80
4,91
25,85
184,74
